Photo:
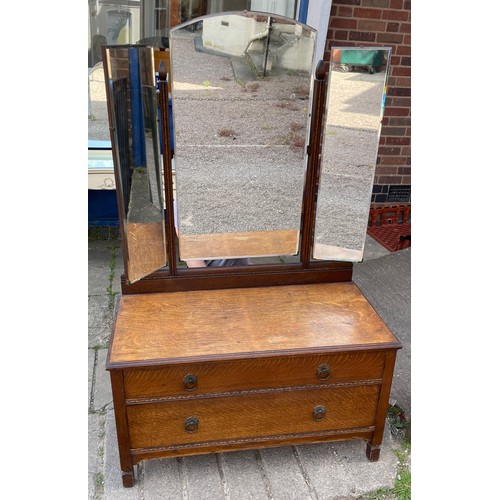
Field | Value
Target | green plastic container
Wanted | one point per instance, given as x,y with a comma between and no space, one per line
371,60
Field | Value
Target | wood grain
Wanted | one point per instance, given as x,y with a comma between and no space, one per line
159,424
239,375
254,322
238,245
146,248
187,449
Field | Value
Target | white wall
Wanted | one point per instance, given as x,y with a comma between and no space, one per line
279,7
232,36
318,18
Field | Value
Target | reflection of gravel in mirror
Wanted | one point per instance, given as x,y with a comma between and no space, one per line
211,77
342,213
344,148
140,207
262,193
259,122
347,171
239,145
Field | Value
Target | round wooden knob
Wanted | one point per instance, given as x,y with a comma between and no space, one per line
191,425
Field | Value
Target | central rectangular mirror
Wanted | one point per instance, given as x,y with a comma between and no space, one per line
241,99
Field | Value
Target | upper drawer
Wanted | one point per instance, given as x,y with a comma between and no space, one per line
257,373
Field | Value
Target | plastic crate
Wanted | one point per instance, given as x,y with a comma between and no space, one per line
372,60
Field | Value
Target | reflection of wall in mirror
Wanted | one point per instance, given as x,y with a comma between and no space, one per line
283,8
234,35
195,8
230,34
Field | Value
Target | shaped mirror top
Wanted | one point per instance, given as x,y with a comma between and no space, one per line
241,97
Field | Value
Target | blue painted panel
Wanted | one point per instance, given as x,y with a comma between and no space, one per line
304,7
138,140
103,208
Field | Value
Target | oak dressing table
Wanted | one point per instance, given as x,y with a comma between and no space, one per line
274,353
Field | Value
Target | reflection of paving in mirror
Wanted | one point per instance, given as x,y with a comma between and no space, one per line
98,124
140,207
354,100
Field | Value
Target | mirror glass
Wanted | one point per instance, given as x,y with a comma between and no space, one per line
355,103
241,93
134,127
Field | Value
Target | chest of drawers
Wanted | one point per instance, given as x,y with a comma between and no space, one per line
220,370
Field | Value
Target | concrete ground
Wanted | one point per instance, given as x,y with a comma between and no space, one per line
318,471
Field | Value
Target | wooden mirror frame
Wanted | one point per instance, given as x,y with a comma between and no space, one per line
305,271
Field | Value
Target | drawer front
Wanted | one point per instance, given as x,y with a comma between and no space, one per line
235,375
258,415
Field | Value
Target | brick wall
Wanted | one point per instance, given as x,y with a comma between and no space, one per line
383,23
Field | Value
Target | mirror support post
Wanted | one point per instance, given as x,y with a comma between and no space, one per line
313,164
167,170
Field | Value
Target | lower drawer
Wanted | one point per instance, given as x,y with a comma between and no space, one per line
269,414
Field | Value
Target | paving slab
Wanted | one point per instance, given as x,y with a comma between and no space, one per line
103,396
285,475
243,475
118,269
162,480
201,476
341,470
94,466
373,249
99,266
96,453
90,374
113,487
100,320
386,283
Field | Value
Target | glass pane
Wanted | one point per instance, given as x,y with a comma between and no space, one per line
118,23
130,75
241,87
356,94
191,9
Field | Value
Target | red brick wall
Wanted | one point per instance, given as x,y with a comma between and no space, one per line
382,23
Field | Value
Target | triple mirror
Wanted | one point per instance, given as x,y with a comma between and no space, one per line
242,100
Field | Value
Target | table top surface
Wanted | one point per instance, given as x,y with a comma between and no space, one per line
167,328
